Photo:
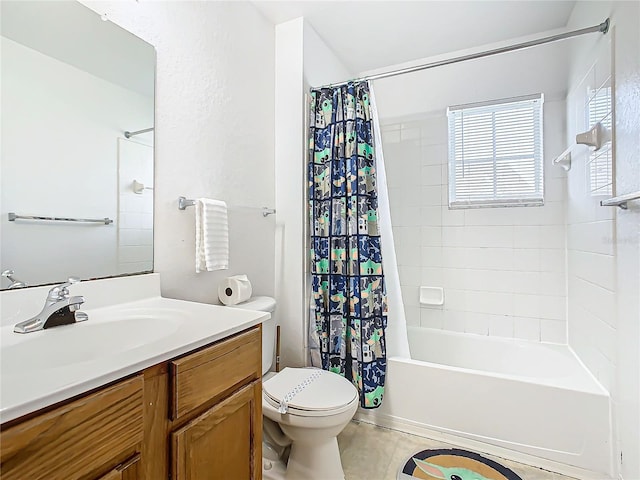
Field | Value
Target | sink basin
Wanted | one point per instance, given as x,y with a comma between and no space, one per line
105,334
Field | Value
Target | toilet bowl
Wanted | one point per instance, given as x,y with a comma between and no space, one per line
311,407
304,410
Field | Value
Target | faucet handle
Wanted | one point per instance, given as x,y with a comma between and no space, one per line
61,291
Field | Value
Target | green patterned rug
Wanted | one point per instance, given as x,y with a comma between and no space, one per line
453,464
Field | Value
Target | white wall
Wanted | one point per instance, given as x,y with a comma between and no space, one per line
604,328
540,69
302,60
290,159
60,133
214,130
502,269
321,66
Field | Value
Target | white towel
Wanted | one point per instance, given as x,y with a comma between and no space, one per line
212,235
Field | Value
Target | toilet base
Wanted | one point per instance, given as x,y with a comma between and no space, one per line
306,462
273,469
315,461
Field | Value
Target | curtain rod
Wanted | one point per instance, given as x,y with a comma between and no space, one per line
603,28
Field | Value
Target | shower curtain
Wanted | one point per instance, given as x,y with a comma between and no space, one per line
349,300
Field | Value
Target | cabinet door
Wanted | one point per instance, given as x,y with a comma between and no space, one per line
75,440
225,442
126,471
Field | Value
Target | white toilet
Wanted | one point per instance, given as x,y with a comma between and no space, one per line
305,408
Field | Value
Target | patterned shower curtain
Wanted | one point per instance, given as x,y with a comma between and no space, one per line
347,281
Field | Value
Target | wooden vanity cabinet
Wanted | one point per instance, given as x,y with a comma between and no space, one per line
217,391
196,417
208,410
81,439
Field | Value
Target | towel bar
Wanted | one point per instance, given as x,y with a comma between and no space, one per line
184,202
13,217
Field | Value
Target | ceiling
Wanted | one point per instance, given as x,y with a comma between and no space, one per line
367,35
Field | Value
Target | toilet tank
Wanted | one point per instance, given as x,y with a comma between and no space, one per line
264,304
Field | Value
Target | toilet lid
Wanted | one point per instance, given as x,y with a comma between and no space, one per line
310,391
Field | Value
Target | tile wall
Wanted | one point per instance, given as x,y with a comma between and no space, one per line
502,269
591,232
135,210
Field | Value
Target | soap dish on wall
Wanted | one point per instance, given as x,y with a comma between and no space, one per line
432,296
564,160
598,136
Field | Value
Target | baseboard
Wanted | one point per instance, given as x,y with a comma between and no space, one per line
414,428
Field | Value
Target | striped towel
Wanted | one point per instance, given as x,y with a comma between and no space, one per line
212,235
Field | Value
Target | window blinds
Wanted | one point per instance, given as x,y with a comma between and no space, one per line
495,153
600,161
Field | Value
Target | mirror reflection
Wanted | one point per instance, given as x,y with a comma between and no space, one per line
76,191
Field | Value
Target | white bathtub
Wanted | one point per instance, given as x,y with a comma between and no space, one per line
528,399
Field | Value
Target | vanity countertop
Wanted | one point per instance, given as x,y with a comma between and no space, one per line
41,368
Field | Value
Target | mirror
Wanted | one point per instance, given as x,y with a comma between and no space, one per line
72,85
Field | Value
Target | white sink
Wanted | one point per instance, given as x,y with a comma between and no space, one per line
124,330
130,327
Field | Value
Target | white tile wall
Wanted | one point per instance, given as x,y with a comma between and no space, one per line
502,269
135,211
591,242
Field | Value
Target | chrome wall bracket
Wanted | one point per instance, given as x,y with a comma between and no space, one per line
620,201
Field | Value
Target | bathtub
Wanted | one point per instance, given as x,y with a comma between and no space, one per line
528,401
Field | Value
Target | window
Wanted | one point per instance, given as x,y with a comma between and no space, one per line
600,161
495,153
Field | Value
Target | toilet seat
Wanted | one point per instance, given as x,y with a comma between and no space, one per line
312,392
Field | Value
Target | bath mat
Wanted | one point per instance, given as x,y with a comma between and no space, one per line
453,464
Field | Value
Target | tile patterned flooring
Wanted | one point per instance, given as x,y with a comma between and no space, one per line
370,452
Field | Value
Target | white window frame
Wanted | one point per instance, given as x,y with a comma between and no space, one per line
457,160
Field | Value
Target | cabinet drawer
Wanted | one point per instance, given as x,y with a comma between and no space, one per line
75,439
201,376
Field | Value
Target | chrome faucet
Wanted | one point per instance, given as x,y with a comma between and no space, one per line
59,309
8,274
